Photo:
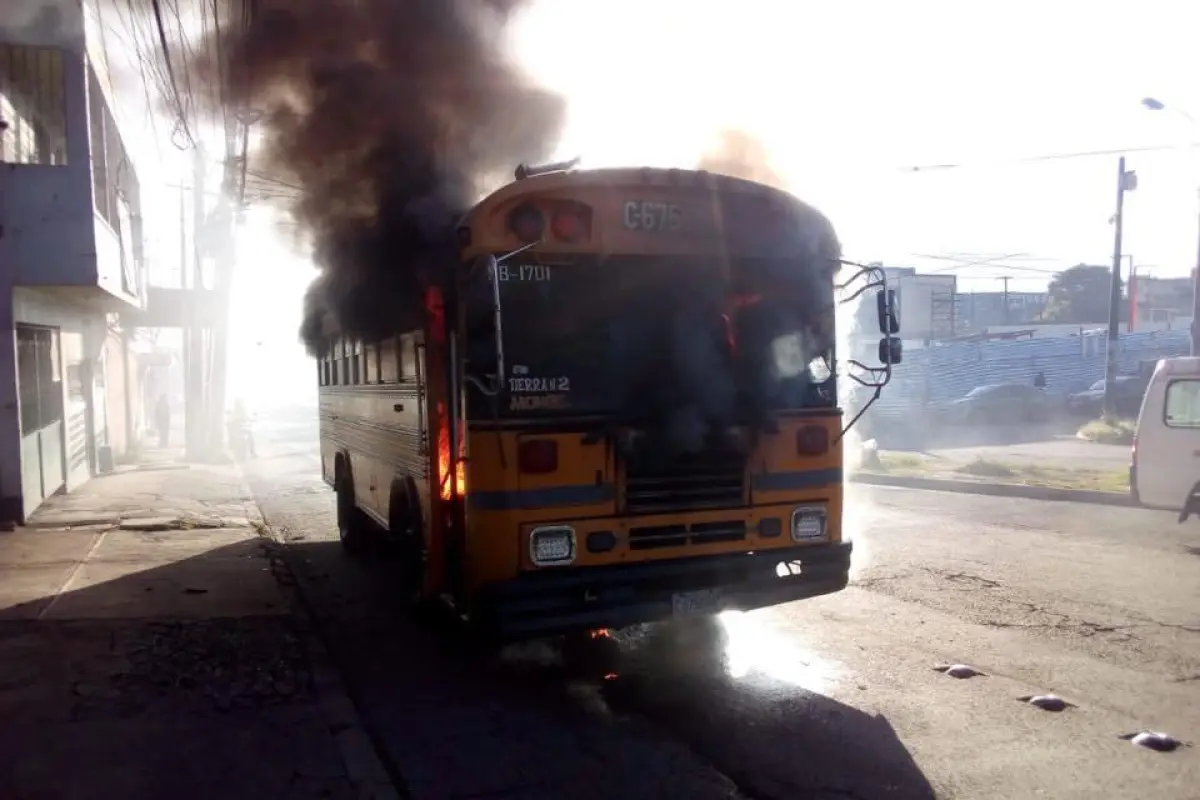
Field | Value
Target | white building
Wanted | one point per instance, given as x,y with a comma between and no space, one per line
70,258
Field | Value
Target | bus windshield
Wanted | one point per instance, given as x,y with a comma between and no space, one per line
594,338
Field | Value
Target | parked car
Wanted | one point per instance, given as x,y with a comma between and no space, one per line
1002,403
1165,457
1129,390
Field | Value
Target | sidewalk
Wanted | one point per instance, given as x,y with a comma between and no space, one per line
149,648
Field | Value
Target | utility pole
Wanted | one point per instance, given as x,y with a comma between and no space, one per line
221,244
1131,297
1006,279
1196,288
194,349
1126,182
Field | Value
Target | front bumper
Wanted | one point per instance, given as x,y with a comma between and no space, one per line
564,600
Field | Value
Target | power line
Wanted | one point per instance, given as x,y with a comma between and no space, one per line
1050,157
162,38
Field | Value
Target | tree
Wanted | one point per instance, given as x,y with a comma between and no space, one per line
1081,295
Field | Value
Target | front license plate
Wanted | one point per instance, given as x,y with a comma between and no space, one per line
690,604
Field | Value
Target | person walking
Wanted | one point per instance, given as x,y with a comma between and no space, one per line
241,438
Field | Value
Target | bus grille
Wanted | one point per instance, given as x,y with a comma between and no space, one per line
705,480
655,536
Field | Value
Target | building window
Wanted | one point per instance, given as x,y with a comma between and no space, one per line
39,376
1183,404
33,116
112,172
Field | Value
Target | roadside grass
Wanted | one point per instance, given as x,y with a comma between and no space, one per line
1102,431
992,471
902,461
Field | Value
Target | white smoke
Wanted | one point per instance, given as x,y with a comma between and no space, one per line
847,317
855,501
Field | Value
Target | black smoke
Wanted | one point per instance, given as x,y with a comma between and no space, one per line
44,23
388,116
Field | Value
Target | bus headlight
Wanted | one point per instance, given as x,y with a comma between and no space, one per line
808,524
552,544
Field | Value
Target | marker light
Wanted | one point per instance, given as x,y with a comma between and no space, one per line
527,223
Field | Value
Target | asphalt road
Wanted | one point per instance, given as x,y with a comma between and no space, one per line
830,698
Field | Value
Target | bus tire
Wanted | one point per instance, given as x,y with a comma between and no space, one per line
408,541
351,521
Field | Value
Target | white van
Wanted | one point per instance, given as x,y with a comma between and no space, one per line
1165,471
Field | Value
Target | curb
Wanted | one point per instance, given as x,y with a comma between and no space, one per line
998,489
82,520
358,754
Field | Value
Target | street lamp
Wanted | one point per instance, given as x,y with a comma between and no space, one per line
1153,104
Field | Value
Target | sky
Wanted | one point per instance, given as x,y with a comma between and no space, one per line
847,95
857,101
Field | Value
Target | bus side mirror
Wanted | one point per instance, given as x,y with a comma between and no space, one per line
493,273
885,310
490,317
891,351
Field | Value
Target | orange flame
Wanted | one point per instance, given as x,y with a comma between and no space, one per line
610,676
735,303
447,491
601,633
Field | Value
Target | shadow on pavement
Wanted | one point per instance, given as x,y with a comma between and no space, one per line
457,720
774,738
463,721
186,679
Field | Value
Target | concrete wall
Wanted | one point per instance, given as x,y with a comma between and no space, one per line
53,234
82,333
10,417
62,263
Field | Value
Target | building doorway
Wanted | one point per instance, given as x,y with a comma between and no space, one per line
40,389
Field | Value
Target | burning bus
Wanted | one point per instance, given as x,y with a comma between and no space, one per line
620,405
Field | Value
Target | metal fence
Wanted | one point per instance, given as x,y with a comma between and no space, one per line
1070,364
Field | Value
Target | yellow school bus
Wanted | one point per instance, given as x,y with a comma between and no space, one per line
591,429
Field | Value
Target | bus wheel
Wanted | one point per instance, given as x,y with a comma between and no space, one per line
408,546
351,521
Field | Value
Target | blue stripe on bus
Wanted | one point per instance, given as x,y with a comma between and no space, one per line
549,497
789,481
591,494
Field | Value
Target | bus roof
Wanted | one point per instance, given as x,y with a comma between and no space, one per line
712,210
626,176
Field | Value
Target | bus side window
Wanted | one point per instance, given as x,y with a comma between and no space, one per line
356,363
408,356
339,363
389,361
371,363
